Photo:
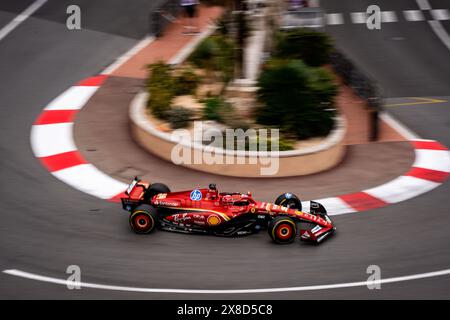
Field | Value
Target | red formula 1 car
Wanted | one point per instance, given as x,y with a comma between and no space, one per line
224,214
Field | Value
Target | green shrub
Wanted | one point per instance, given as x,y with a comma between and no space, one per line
179,117
283,143
211,109
313,47
215,53
162,88
204,53
224,57
217,109
293,100
187,83
323,86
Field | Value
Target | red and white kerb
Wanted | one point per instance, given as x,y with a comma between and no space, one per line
53,144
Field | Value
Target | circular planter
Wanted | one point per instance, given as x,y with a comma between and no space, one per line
220,161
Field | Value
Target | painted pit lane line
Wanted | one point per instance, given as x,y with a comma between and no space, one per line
32,276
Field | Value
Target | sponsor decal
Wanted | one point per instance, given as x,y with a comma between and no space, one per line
252,210
199,216
288,195
309,216
213,220
196,195
260,216
161,196
181,217
305,235
167,203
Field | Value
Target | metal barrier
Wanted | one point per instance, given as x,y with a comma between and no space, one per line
166,13
364,87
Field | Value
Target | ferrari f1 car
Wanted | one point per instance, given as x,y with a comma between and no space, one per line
207,211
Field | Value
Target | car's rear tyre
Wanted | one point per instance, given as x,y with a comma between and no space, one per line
154,189
143,219
282,230
289,200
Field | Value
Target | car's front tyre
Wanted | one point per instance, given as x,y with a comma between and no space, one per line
282,230
143,219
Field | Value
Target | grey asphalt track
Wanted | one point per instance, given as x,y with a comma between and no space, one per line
46,225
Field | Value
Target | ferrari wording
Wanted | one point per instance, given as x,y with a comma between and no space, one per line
154,206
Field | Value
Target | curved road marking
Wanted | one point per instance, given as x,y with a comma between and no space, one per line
32,276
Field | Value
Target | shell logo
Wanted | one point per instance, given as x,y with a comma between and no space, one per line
213,220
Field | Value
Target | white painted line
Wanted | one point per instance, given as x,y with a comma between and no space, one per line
127,55
21,18
432,159
72,99
423,4
440,32
426,140
437,27
358,17
336,206
89,179
32,276
413,15
51,139
334,18
388,16
399,127
440,14
401,188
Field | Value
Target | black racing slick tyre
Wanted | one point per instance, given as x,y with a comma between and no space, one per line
282,230
289,200
154,189
143,219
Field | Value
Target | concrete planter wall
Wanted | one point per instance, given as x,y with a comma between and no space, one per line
290,163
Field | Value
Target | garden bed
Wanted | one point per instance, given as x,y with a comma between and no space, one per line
295,94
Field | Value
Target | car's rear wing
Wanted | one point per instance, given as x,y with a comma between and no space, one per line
136,188
131,186
134,194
